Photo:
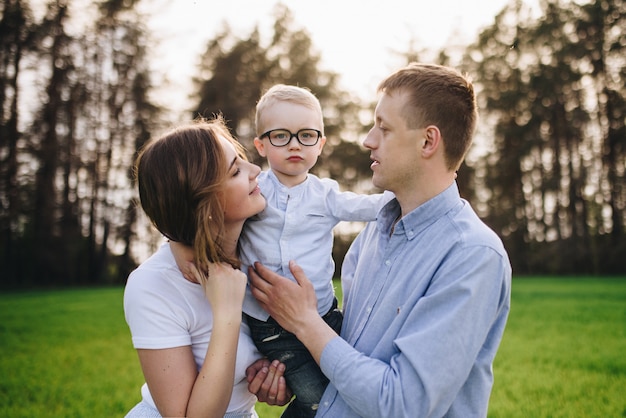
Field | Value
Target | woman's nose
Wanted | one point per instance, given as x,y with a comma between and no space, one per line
255,170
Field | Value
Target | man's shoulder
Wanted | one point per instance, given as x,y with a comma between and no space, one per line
474,231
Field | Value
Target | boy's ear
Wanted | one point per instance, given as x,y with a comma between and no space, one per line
321,143
260,146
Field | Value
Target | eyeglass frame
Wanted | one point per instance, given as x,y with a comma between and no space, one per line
291,136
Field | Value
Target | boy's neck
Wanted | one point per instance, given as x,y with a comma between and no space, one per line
290,181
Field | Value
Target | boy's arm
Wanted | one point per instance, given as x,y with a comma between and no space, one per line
350,206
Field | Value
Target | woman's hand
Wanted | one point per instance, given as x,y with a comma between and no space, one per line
266,381
225,287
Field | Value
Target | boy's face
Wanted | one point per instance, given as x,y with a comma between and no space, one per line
291,162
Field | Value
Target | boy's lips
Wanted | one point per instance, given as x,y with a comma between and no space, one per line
295,158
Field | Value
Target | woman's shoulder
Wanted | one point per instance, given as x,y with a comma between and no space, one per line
157,274
161,260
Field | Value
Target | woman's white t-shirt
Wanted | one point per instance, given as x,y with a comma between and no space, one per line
164,310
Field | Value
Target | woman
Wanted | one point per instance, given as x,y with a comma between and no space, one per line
197,188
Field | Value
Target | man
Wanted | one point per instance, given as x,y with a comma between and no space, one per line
426,286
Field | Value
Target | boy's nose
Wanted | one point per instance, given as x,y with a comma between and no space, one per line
293,142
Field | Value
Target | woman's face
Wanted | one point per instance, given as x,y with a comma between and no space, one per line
242,196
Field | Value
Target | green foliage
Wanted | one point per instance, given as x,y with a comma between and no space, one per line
549,177
552,87
68,353
66,153
236,70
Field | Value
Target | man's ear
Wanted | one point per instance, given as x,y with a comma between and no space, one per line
260,146
431,140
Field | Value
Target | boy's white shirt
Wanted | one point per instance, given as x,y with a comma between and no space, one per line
297,224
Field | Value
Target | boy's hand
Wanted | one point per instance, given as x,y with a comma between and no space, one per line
183,254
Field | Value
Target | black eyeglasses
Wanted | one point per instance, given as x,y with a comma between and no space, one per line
282,137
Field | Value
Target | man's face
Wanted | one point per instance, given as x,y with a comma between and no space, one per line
395,149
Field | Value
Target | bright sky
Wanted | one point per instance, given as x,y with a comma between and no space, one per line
356,38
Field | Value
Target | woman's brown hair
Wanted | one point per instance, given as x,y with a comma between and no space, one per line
180,177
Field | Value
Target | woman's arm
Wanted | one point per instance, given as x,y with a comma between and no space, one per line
170,375
176,385
224,288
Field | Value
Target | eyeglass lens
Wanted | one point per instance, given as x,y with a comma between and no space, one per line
281,137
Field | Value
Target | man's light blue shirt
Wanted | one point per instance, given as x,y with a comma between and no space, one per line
424,313
297,224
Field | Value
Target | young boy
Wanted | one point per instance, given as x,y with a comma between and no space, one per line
297,224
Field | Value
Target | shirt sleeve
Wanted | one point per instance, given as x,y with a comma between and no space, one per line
354,207
348,266
442,342
155,312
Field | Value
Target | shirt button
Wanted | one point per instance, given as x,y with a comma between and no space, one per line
387,262
410,233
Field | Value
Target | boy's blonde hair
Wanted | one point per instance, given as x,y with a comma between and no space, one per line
287,93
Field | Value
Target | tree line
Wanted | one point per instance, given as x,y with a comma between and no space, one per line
546,172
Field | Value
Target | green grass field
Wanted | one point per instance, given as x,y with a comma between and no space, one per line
68,353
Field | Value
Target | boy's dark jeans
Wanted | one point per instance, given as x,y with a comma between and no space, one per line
303,375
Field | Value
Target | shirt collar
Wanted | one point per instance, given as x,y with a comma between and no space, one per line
292,191
420,217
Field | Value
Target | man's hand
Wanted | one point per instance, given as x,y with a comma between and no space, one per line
293,305
287,302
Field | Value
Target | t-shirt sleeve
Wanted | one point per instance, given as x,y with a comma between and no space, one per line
155,311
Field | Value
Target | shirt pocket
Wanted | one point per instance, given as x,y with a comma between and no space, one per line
315,218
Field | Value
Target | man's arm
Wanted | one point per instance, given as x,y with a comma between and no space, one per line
436,346
297,310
